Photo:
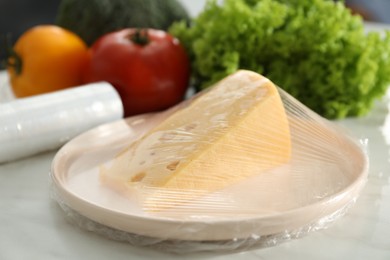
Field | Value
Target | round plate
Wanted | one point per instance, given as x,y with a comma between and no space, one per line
327,171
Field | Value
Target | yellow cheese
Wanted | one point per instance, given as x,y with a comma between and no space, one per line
236,129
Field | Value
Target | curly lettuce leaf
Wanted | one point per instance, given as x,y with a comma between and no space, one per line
314,49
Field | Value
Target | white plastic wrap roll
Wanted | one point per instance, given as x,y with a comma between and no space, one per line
45,122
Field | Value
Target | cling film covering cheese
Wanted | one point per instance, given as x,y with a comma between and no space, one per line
234,131
240,166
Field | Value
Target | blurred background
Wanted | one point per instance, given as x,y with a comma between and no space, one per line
16,16
371,10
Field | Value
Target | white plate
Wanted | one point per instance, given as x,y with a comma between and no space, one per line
326,173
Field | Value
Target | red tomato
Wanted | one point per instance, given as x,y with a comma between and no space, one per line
149,68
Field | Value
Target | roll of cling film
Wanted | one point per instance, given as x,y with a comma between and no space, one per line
44,122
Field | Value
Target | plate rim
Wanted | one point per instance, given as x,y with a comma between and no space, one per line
354,187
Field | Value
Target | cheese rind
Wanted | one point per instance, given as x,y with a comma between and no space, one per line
236,129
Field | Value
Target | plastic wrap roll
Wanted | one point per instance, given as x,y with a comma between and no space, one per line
45,122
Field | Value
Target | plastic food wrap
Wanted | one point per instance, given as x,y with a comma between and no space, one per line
240,165
45,122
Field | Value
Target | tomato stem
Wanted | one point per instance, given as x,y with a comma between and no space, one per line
140,37
13,60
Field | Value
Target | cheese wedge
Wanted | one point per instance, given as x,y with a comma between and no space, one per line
234,130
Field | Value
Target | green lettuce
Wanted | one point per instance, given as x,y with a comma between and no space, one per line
314,49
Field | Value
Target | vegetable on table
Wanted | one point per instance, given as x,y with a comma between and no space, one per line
149,68
46,58
315,49
94,18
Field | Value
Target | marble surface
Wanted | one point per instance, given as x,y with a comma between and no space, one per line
33,226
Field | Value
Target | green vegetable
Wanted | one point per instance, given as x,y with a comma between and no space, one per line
91,19
315,49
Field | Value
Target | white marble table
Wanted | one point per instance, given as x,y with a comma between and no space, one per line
33,226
